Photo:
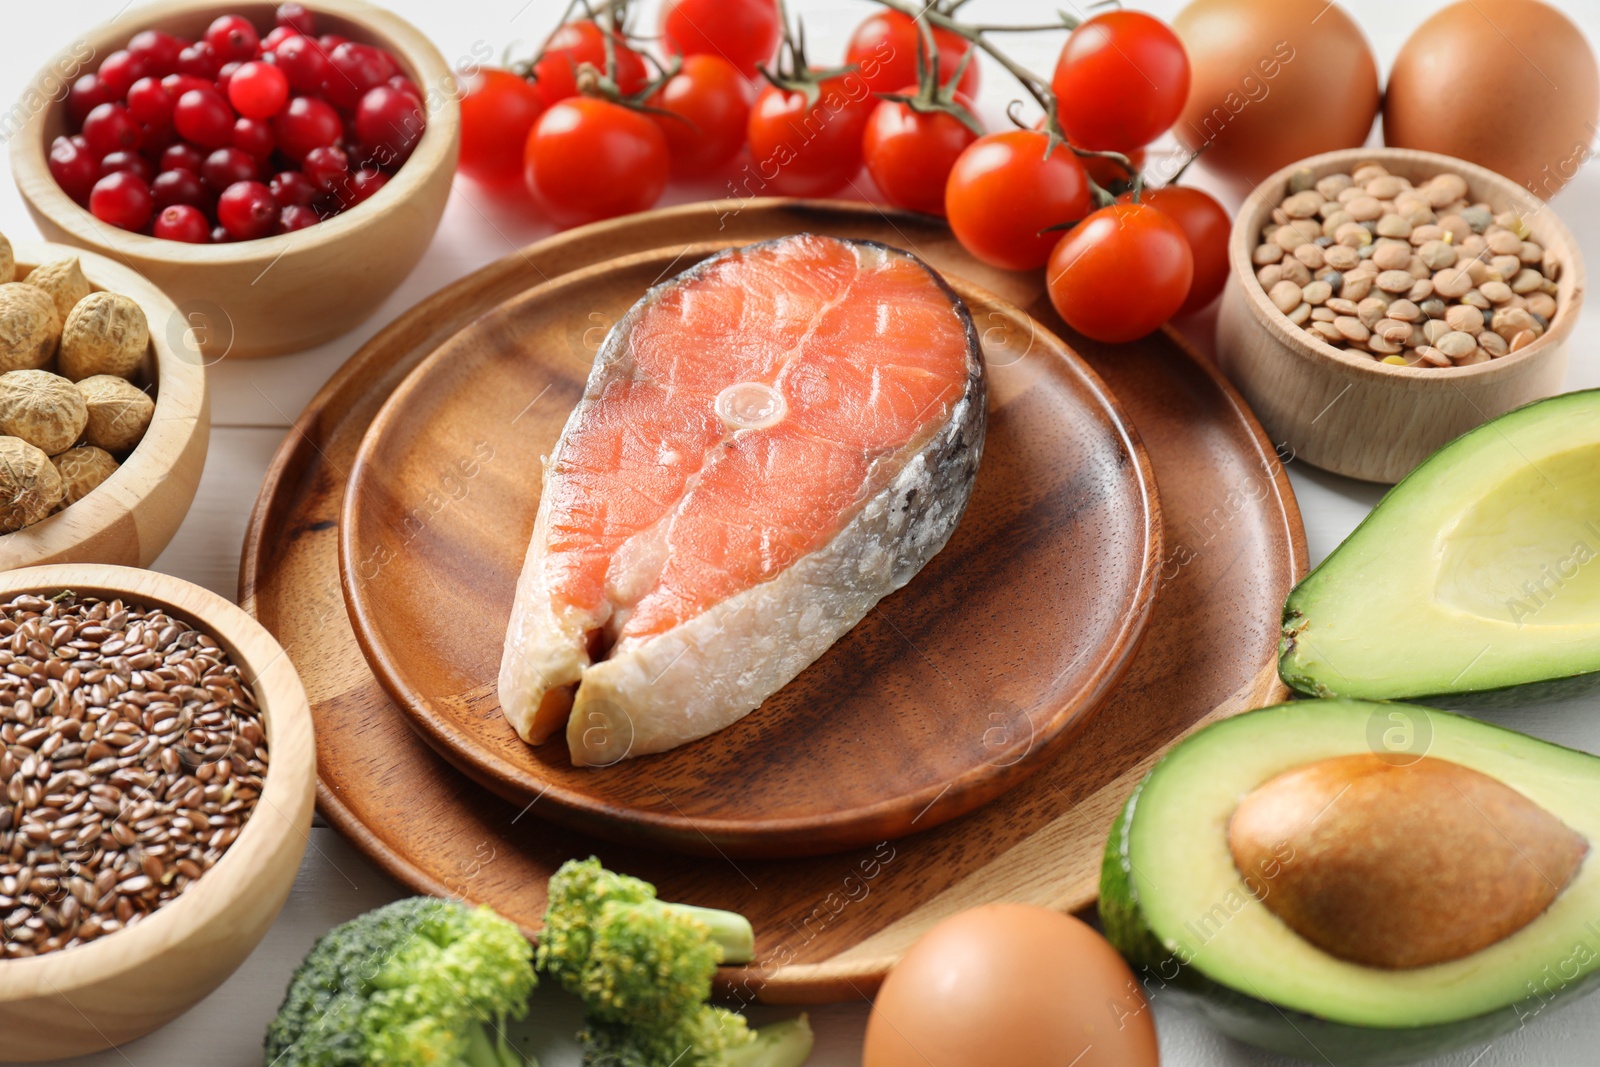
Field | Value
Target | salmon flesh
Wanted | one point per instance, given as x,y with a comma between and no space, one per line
768,444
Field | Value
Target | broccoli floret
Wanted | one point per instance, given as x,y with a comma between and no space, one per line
631,957
706,1037
411,984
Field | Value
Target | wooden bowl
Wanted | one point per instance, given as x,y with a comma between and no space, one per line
128,983
132,515
1351,414
283,293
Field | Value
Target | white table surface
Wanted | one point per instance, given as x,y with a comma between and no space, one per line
253,403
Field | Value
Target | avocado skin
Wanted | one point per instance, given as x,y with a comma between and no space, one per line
1265,1025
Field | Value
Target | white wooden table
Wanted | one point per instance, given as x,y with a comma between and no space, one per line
253,403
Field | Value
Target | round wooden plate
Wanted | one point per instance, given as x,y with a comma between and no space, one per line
828,927
951,690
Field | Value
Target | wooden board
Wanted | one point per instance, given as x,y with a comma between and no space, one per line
949,692
827,928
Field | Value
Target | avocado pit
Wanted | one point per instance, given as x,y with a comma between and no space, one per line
1400,866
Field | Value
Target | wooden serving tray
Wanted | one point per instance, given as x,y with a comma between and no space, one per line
828,928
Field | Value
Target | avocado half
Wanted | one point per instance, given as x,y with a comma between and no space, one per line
1173,902
1475,582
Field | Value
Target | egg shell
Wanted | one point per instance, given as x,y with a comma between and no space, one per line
1011,984
1273,81
1508,84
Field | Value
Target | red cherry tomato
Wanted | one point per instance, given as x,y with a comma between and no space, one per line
743,32
1120,273
1206,225
712,100
803,149
556,73
1108,172
1121,81
497,112
590,159
910,153
884,49
1003,192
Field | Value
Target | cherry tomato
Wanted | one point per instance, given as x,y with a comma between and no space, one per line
1003,191
497,112
1108,172
743,32
910,153
1121,81
1120,273
713,100
884,49
1206,225
812,149
589,159
556,73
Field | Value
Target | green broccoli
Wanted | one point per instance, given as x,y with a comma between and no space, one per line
706,1037
631,957
411,984
643,969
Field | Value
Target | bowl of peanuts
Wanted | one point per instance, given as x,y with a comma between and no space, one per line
159,776
1383,301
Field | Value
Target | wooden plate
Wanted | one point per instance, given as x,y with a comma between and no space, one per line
829,927
951,691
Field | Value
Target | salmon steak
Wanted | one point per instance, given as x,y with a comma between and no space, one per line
767,445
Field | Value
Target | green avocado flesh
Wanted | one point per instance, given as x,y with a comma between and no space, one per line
1173,902
1475,581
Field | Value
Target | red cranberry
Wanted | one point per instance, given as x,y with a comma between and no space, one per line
297,217
305,124
297,18
225,76
178,84
330,41
153,140
405,85
182,222
254,136
291,188
74,168
150,103
111,128
120,70
304,63
132,162
204,117
326,167
227,166
247,211
279,34
362,184
258,90
389,123
182,157
181,187
199,60
160,50
122,200
220,236
86,94
356,68
232,37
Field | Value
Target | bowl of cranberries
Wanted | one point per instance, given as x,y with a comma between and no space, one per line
277,169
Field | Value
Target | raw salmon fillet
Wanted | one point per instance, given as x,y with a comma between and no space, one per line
767,445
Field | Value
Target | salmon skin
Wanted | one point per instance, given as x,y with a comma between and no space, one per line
768,444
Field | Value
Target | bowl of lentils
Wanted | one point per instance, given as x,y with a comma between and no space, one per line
157,779
1383,301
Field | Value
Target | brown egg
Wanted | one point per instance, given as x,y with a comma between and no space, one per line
1011,985
1508,84
1273,81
